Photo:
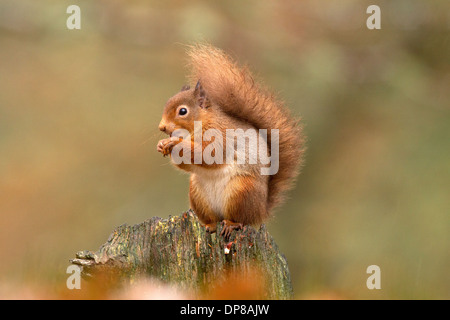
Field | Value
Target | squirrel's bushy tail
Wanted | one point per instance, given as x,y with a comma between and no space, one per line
236,92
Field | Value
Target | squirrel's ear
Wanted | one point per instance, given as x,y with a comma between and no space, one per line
185,87
200,95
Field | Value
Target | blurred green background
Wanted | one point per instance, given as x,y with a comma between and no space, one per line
79,112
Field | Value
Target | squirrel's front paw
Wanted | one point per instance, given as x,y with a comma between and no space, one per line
165,146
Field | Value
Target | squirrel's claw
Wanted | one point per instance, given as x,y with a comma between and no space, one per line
159,147
165,146
228,227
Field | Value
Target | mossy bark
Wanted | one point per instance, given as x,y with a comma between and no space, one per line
178,250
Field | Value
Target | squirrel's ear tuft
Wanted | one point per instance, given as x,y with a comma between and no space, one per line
185,87
200,95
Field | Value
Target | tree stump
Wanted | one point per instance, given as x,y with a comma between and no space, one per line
179,251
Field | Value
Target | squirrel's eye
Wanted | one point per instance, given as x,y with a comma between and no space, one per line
182,111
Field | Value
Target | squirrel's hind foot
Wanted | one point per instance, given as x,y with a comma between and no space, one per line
228,227
211,227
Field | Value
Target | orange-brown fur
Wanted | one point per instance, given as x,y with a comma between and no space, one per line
227,97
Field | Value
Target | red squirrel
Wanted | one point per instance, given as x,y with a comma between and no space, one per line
227,97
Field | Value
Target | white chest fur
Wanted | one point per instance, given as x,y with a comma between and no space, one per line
213,183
